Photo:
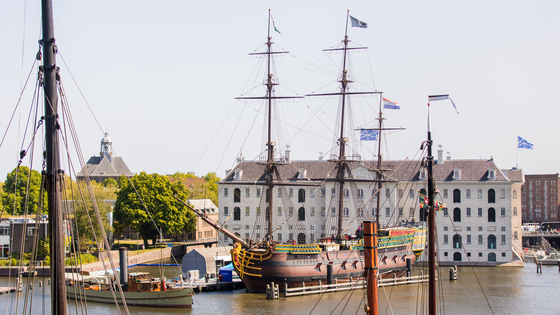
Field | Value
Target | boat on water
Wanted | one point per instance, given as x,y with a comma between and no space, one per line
304,259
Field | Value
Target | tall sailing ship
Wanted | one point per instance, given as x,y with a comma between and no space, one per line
292,195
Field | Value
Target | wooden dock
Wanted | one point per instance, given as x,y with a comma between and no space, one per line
4,290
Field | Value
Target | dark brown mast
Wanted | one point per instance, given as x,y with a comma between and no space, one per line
342,161
53,176
431,224
270,164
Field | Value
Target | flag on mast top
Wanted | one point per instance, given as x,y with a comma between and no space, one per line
442,97
523,144
358,23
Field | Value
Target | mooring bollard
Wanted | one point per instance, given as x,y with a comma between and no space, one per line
453,273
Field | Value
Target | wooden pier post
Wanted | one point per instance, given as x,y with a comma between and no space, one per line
370,257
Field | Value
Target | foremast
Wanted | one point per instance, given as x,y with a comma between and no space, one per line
431,223
270,164
53,177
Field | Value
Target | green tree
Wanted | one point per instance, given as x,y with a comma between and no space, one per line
16,191
110,183
156,193
84,215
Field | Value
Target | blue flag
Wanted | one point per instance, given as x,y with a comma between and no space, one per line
368,135
357,23
523,144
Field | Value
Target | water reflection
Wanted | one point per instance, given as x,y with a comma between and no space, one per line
507,291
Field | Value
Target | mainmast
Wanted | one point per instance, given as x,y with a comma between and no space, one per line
53,176
431,223
270,164
342,161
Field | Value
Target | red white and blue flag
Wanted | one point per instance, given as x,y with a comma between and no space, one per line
390,104
442,97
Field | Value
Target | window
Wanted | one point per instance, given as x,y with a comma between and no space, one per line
456,174
491,241
479,193
333,212
456,215
280,237
468,228
411,213
503,212
301,195
411,193
503,228
468,239
457,241
258,211
480,239
468,254
445,239
312,212
491,215
387,212
333,193
480,228
445,194
479,254
445,213
422,174
322,211
247,192
226,192
279,192
456,196
237,195
400,212
480,212
236,214
290,211
301,214
468,193
360,212
503,254
373,212
291,193
503,239
258,192
445,254
491,257
491,196
445,228
491,174
360,193
515,210
515,235
503,193
346,193
279,211
30,231
468,212
387,193
323,227
345,212
323,192
400,193
312,193
225,210
247,211
247,227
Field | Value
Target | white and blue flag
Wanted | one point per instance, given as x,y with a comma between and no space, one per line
368,134
357,23
524,144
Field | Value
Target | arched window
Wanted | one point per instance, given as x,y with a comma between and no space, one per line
491,196
515,235
491,257
360,193
514,210
236,214
457,241
515,194
237,195
301,195
456,196
301,239
301,214
360,212
346,193
346,212
457,256
492,242
456,215
491,215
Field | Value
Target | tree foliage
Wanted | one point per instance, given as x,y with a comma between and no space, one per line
199,188
156,193
110,183
16,191
84,215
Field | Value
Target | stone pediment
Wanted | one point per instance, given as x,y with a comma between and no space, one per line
361,171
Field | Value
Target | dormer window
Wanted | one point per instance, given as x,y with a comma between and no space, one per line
237,174
456,174
491,174
423,174
302,174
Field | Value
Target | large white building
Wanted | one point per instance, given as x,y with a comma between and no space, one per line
482,224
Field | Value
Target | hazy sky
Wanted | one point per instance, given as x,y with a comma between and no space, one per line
162,77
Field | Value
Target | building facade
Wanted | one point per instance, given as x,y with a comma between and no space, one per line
106,165
539,198
482,223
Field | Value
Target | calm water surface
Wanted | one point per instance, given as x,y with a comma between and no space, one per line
504,291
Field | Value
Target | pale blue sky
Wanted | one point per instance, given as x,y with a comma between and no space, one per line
163,76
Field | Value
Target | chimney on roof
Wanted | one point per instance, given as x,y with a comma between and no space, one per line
288,154
448,156
440,155
320,155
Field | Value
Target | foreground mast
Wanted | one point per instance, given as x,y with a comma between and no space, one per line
53,176
431,223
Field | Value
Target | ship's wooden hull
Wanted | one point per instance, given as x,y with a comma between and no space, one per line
176,298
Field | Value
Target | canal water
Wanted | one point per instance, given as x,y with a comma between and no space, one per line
480,290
